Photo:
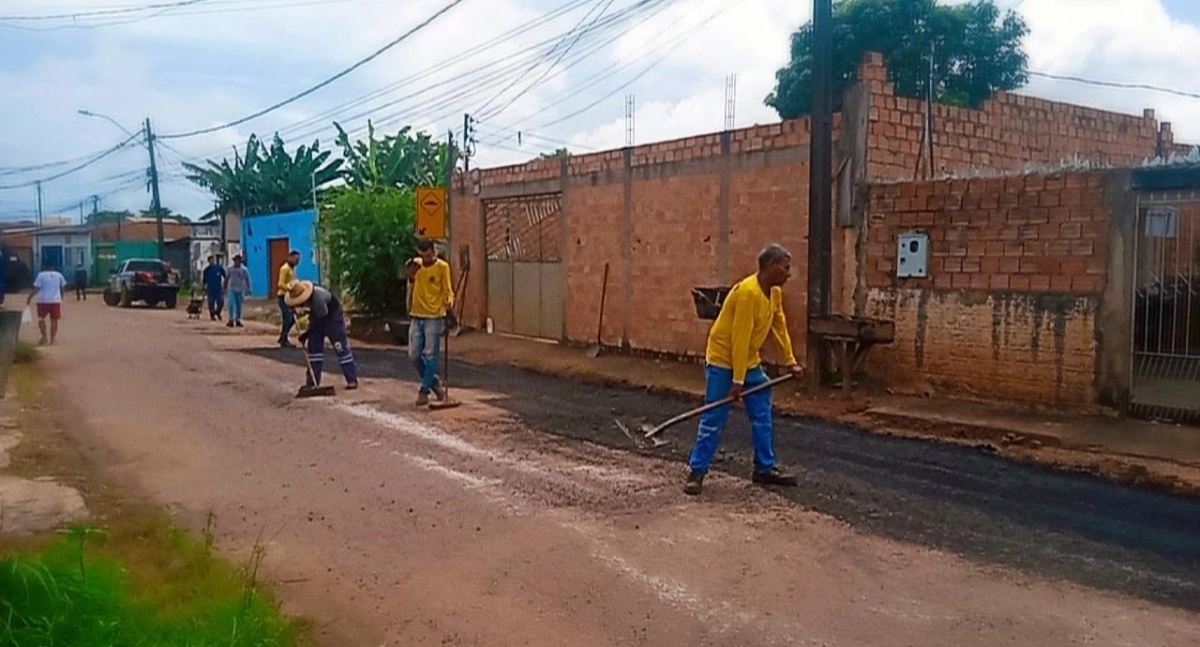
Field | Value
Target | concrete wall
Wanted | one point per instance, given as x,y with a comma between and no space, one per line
299,227
1017,302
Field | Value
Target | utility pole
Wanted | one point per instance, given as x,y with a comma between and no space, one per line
155,202
39,193
468,141
81,212
820,183
95,205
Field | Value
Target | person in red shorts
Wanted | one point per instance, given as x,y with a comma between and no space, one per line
48,288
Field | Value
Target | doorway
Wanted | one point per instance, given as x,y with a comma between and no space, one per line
1166,314
277,254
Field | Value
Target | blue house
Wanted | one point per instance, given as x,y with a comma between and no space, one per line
266,241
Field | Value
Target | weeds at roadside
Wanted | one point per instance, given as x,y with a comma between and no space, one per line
145,584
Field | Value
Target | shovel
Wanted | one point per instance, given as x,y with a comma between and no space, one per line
594,351
651,431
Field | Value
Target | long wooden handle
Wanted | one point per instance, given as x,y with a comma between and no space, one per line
726,401
603,297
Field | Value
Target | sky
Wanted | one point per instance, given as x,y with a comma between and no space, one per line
206,63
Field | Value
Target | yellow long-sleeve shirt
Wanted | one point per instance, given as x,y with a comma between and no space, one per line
737,336
287,274
432,291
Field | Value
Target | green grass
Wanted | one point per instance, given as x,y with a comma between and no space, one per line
142,584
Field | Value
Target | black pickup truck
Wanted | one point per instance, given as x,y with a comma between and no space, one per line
142,279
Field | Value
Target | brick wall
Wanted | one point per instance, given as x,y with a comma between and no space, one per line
1017,266
1008,132
670,240
694,211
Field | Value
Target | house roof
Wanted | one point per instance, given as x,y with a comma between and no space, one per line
54,231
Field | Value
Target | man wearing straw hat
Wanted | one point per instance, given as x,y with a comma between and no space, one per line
326,320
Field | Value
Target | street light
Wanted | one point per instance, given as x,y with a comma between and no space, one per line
89,113
155,202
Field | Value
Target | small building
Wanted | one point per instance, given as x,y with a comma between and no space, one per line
267,240
64,248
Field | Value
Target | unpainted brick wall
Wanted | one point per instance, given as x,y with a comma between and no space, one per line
674,230
673,241
1016,269
1008,132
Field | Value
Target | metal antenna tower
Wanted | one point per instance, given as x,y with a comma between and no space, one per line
730,101
630,111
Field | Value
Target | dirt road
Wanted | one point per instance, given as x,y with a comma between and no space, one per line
522,519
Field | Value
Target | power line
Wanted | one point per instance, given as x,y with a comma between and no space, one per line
18,170
296,97
474,81
75,15
481,110
1115,84
73,169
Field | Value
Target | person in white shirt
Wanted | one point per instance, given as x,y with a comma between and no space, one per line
48,288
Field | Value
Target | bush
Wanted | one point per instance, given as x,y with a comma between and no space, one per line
369,235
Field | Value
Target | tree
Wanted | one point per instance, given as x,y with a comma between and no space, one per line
404,161
106,216
977,51
266,179
369,236
557,154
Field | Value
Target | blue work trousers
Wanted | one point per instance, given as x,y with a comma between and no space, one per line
424,349
758,406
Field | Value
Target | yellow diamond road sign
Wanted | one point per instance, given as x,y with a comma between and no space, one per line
431,212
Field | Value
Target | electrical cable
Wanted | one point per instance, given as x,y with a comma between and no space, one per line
492,77
606,4
81,166
439,13
1114,84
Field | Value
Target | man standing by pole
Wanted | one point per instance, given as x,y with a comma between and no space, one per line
287,276
753,309
432,297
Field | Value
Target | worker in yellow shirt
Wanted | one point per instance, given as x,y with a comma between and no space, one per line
287,276
432,298
753,308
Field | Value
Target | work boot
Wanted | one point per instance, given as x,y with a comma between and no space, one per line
774,476
229,325
239,324
439,392
422,399
351,386
286,344
695,483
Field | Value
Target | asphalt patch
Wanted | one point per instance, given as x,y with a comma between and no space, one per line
1075,527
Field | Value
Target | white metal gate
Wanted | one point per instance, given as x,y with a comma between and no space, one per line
1166,310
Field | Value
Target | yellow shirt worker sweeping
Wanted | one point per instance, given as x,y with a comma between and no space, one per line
752,310
432,297
287,276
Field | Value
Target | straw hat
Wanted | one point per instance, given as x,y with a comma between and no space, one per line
298,293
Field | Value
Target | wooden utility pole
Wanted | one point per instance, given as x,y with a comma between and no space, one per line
820,182
155,202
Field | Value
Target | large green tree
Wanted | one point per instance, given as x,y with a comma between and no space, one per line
266,179
369,235
404,161
977,51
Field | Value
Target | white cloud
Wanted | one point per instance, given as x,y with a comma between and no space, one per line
188,72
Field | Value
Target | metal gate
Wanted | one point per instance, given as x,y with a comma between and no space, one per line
1166,317
525,274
